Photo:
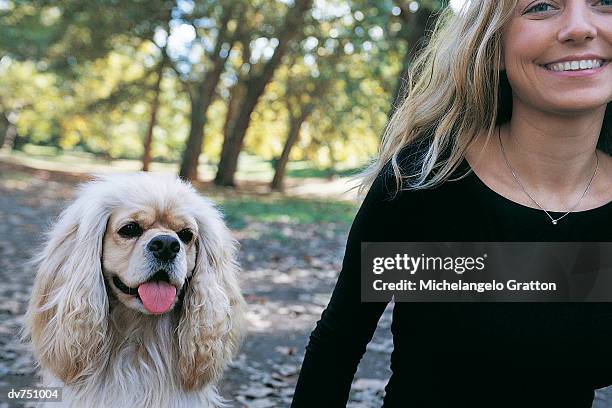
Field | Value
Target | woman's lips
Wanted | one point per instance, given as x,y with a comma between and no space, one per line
577,73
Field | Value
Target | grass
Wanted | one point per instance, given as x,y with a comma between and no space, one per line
240,211
315,172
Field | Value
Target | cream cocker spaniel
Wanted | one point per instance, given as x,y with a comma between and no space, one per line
136,301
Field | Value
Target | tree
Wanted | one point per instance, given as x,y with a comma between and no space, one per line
303,93
202,93
255,86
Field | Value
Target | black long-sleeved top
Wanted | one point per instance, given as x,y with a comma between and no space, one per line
462,354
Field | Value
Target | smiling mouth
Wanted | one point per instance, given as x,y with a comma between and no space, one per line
603,64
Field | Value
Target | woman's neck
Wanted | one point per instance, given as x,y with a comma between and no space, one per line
554,160
553,155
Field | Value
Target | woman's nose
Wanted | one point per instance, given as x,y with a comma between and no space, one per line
577,23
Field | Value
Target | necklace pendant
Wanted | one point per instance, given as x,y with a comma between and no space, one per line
554,222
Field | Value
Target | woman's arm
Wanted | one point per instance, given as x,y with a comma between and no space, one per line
347,325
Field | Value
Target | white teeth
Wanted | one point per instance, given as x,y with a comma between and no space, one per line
574,65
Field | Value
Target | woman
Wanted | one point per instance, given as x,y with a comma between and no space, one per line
450,168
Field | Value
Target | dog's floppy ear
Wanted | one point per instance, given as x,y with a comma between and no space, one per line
66,320
212,322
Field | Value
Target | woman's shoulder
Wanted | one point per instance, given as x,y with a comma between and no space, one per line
387,188
410,157
409,161
388,209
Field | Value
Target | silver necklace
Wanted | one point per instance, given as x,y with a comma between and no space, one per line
554,221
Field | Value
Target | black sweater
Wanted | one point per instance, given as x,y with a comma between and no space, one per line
462,354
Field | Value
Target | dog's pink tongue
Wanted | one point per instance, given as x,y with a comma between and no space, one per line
157,297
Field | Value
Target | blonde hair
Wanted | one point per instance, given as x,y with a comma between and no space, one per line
452,86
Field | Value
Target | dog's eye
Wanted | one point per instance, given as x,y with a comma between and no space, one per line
185,235
130,230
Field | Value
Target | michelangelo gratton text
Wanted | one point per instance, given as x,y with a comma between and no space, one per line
444,285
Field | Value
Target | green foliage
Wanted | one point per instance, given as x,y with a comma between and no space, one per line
66,33
79,75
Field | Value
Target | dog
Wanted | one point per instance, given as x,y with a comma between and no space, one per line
136,300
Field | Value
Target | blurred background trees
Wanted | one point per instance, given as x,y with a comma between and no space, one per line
195,82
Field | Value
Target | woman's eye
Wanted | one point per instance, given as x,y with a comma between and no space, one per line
185,235
540,7
131,230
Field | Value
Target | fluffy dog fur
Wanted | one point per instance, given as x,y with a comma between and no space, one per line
100,343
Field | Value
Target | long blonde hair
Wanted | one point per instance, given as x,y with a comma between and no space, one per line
453,86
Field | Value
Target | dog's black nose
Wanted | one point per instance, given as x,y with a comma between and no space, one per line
164,247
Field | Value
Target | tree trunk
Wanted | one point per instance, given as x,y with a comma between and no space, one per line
10,135
4,125
204,97
332,162
232,144
281,164
146,157
191,154
236,96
